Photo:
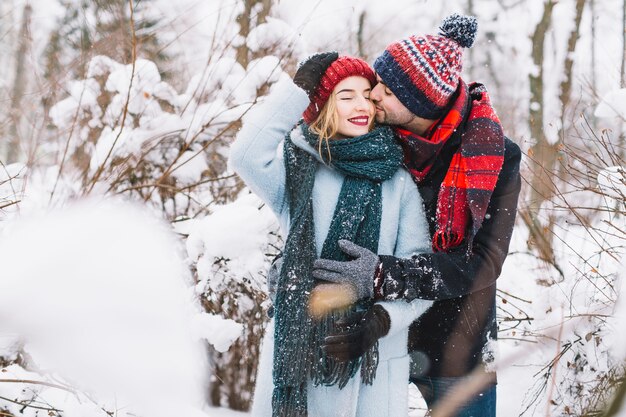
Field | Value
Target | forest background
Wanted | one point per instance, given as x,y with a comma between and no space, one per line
132,261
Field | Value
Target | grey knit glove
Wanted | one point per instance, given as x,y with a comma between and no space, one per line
358,272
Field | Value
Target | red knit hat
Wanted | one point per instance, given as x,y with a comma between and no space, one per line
342,68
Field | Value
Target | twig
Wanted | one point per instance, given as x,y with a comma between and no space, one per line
480,378
48,384
518,319
10,179
558,356
513,296
67,143
177,189
26,405
10,204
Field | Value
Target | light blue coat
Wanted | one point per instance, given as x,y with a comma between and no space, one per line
257,157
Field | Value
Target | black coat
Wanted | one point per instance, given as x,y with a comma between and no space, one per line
453,332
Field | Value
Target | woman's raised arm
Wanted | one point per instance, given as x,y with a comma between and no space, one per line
257,154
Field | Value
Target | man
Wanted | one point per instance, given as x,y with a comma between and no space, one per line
468,175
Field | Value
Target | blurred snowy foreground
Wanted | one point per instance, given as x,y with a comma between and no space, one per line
99,298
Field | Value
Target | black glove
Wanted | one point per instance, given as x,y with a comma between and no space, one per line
310,72
357,333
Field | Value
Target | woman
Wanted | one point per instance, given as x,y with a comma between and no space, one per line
329,178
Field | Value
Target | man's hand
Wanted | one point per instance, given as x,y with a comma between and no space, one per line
310,72
359,272
357,333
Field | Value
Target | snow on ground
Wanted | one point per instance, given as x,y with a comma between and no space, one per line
98,296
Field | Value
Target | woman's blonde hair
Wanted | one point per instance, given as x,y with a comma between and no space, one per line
325,126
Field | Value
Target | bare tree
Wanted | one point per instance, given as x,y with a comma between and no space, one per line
247,22
470,51
544,154
19,85
541,152
623,67
359,36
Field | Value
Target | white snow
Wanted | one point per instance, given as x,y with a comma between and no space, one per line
99,294
613,105
612,181
235,232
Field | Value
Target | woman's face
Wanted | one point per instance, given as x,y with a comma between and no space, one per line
354,108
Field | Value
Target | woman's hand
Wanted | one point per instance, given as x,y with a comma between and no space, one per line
326,298
357,333
312,69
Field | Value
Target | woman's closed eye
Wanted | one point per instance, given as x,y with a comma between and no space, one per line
352,97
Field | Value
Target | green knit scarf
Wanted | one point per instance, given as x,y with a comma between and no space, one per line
366,161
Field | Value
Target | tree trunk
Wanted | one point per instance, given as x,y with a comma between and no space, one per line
243,52
359,36
594,80
265,11
540,151
19,86
592,9
623,68
621,138
542,154
566,84
247,22
470,51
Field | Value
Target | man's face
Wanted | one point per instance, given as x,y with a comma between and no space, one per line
389,110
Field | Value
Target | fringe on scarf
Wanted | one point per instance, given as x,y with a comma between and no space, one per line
328,371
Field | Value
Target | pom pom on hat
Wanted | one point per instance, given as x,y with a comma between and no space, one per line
423,71
459,28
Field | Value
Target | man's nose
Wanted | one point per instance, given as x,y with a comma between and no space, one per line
375,94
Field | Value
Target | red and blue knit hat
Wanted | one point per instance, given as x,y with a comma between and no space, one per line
423,71
342,68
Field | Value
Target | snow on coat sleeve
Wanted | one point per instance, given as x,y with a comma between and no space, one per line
256,155
413,238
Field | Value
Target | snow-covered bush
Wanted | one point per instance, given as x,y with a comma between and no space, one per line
125,130
231,250
128,132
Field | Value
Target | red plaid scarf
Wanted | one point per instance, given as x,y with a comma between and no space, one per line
473,171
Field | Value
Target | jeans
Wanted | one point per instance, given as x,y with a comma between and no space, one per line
434,389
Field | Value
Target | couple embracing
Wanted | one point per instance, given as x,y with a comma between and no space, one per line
396,189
